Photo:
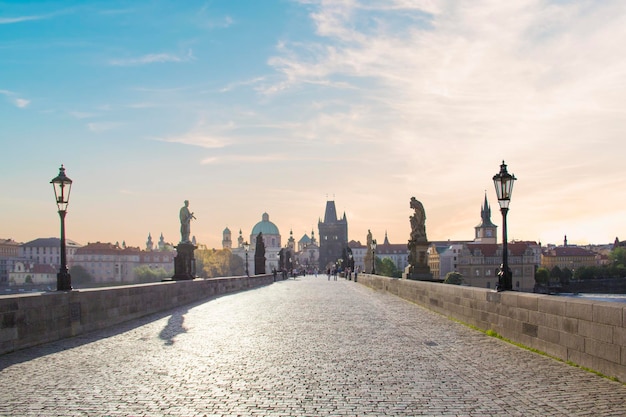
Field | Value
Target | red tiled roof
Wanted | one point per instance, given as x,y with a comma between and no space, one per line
568,251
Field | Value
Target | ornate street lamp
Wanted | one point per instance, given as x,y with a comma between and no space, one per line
246,246
62,187
503,181
373,247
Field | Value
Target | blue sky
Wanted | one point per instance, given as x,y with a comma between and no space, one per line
245,107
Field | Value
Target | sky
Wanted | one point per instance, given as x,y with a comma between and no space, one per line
244,107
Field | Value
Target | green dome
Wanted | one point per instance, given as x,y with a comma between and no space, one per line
265,226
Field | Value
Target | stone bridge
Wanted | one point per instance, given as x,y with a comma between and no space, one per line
304,347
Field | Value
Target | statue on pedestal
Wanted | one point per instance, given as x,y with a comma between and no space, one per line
418,245
184,261
185,222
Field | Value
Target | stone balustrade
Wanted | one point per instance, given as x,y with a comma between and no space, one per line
31,319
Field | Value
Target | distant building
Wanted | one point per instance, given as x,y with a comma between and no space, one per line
308,252
333,234
9,254
486,231
109,263
227,241
359,252
479,264
398,253
568,256
479,261
271,238
28,272
47,251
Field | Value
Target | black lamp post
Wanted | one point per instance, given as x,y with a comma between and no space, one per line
503,182
62,187
246,246
373,246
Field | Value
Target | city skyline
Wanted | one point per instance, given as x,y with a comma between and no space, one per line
278,106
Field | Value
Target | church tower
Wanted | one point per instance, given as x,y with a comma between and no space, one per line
240,240
149,243
227,242
333,235
486,231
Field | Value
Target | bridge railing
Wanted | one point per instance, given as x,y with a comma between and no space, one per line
589,333
35,318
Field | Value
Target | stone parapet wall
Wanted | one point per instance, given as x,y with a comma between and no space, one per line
588,333
31,319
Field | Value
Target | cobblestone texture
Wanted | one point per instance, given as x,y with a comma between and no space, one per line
305,347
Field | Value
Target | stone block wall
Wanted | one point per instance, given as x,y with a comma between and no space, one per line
31,319
588,333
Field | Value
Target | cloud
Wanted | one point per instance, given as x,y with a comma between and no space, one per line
17,101
21,102
10,20
152,59
197,139
244,83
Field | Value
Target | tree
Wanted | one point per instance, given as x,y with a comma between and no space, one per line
80,276
211,263
618,256
144,273
585,272
566,276
387,268
453,278
542,276
28,279
555,274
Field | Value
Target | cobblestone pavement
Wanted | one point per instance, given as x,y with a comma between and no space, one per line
305,347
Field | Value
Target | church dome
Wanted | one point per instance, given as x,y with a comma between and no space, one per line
265,226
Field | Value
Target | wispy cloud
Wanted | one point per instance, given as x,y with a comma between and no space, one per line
478,72
10,20
244,83
197,139
22,102
152,59
13,98
245,158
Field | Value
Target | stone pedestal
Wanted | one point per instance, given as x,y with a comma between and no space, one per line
184,262
418,268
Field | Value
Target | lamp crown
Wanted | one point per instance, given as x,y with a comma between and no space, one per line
503,182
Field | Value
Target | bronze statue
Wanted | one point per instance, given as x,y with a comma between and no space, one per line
185,222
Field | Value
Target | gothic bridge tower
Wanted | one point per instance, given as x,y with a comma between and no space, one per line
333,236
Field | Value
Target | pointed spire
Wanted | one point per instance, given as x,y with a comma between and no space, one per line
485,211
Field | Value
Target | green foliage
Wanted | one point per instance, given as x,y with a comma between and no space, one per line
144,273
596,272
618,256
387,268
28,279
542,276
80,276
211,263
453,278
555,273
